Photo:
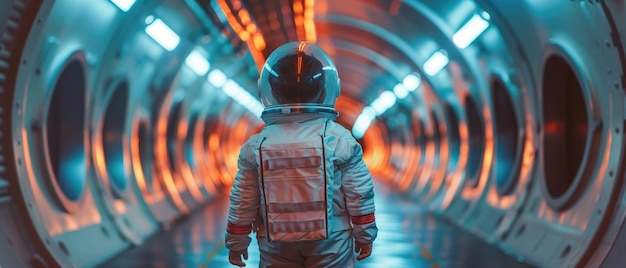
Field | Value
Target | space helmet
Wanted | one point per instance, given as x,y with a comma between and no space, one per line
299,77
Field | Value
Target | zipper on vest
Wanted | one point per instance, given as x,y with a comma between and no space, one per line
267,227
325,182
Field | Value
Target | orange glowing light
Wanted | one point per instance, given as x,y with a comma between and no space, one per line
309,23
553,127
200,155
214,142
185,170
254,44
259,41
245,36
244,16
304,20
236,4
140,176
297,7
161,159
251,28
425,177
299,21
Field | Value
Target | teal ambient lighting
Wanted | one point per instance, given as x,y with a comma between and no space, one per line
163,34
436,63
471,30
124,5
197,62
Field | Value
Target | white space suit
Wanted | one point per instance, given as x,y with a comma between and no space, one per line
299,85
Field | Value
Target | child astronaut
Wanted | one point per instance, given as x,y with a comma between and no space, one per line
302,185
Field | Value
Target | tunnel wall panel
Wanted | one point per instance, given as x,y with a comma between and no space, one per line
19,244
61,230
563,231
126,207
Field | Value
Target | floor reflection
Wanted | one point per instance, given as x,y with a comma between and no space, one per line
408,237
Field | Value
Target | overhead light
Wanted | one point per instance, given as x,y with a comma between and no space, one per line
197,62
369,112
436,63
471,30
124,5
411,82
400,91
217,78
362,123
257,108
383,102
163,34
230,88
243,97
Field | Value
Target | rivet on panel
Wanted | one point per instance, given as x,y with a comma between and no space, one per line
37,262
35,126
104,231
64,249
521,230
617,130
499,221
611,173
566,251
127,222
599,124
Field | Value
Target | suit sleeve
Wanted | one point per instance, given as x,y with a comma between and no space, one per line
359,190
244,201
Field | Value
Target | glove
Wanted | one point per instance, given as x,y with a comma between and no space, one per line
365,249
234,257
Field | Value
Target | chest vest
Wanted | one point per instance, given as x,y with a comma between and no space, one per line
294,185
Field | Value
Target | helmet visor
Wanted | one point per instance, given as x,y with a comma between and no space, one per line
297,74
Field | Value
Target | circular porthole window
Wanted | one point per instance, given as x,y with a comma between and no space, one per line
211,127
476,140
65,135
565,137
113,139
436,135
422,139
454,137
172,133
145,147
189,149
507,139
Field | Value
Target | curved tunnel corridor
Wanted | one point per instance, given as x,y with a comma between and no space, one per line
494,125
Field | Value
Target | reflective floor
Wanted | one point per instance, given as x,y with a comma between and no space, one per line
408,237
